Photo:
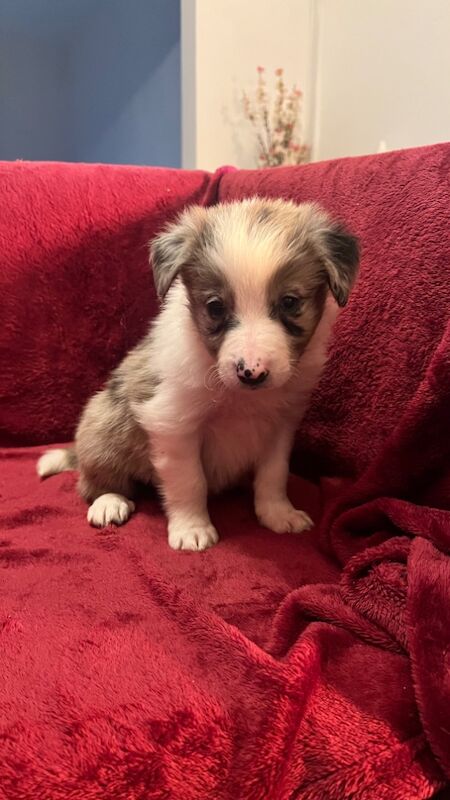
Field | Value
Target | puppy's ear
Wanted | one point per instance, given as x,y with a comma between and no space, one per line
341,261
174,247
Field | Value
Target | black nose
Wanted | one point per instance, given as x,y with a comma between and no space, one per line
249,380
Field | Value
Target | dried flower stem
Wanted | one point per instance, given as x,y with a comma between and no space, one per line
277,134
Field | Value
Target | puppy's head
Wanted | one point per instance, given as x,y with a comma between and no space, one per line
257,273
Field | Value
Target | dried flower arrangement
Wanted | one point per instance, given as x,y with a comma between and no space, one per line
277,129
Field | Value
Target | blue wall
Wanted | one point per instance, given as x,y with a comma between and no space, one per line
33,101
125,69
95,80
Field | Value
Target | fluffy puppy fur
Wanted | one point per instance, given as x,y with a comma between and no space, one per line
217,387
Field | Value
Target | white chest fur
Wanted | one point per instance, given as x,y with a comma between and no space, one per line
235,435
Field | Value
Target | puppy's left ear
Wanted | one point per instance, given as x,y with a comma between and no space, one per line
174,247
341,261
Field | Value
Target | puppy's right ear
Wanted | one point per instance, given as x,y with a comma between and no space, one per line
174,247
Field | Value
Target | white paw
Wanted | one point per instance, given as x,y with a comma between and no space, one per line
281,517
110,508
189,536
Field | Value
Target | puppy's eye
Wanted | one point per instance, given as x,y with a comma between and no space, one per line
290,304
215,308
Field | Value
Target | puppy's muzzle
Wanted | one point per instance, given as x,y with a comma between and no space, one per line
252,375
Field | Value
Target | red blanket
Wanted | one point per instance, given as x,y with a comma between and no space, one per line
278,667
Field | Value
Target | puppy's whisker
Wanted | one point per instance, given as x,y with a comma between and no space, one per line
212,380
213,384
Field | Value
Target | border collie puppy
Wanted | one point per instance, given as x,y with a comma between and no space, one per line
217,388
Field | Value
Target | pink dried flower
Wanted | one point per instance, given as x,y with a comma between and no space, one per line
277,122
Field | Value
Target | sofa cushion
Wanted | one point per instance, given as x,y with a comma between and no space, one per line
132,671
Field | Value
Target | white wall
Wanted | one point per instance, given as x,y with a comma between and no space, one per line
383,73
223,41
372,71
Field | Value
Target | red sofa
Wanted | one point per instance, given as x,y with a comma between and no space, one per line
314,666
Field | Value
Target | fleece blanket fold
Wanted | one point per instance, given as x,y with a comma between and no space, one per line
313,667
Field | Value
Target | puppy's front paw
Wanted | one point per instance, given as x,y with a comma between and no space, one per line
281,517
189,536
110,508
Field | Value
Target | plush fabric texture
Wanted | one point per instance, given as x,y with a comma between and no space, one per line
313,667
